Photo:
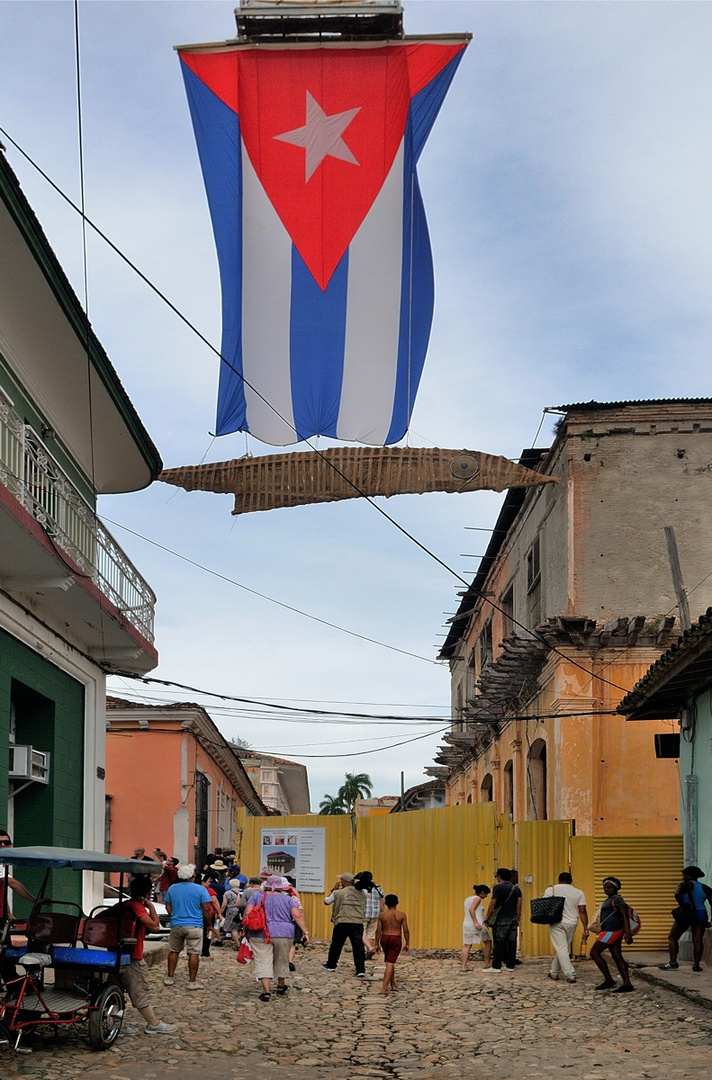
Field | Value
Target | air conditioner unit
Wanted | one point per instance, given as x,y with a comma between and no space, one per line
28,764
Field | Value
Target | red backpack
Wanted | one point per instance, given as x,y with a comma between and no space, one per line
256,921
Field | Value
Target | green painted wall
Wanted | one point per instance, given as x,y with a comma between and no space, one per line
49,709
696,760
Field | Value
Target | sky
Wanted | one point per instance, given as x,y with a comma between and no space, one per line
566,183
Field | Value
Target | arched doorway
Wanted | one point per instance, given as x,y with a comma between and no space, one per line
486,788
537,781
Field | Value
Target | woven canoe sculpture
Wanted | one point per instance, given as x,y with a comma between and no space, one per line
350,472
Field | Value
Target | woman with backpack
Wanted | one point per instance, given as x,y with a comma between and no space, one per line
268,921
615,927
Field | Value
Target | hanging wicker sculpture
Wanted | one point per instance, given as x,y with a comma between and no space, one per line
350,472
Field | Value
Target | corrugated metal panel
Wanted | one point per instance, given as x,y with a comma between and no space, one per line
542,854
507,842
582,873
339,858
427,854
649,869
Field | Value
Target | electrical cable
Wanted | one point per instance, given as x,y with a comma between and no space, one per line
271,599
431,554
365,718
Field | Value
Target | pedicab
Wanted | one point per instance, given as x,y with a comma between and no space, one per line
70,962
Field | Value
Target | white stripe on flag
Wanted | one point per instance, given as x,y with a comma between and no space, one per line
373,316
266,303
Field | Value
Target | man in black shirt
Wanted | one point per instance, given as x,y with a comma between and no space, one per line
503,916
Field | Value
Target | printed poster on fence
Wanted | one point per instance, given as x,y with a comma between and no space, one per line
296,853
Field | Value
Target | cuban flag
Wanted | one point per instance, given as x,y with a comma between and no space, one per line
309,157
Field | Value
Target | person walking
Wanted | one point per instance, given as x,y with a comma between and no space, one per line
391,928
474,931
615,927
271,949
503,915
690,914
190,907
374,906
562,933
231,910
348,917
134,978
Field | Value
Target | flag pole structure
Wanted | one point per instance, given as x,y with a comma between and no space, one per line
309,126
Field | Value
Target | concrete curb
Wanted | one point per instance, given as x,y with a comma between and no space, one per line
683,991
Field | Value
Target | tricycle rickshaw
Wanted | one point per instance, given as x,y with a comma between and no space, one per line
84,954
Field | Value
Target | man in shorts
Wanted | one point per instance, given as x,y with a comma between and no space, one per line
392,927
190,907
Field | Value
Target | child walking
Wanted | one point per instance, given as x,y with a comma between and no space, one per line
391,929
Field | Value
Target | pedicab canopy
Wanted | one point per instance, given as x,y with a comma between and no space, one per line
309,127
56,858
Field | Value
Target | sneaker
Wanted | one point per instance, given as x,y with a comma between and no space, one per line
161,1029
195,986
327,968
624,990
360,974
668,967
494,971
510,968
126,1030
169,980
488,969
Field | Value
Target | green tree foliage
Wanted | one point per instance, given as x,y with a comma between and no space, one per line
355,786
331,804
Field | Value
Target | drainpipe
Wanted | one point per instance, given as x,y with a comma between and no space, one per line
689,791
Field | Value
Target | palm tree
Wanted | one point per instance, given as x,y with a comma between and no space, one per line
355,786
331,804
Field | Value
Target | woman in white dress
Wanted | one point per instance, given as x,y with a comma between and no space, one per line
474,931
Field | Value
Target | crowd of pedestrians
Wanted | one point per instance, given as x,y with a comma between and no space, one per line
265,916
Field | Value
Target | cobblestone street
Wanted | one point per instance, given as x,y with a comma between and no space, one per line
440,1023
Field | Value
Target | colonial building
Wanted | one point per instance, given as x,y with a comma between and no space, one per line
572,602
283,785
172,781
72,606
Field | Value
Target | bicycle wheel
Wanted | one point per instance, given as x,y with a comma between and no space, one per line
105,1017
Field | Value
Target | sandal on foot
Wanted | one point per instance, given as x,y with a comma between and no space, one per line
265,997
282,990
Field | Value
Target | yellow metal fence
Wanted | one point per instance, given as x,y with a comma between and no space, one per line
431,859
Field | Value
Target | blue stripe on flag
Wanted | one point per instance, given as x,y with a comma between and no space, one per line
217,130
317,337
425,106
417,296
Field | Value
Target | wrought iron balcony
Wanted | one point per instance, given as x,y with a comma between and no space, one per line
34,478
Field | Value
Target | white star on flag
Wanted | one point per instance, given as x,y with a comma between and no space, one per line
321,136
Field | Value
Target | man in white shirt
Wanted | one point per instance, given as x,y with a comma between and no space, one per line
562,933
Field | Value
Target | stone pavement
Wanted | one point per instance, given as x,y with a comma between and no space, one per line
441,1024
